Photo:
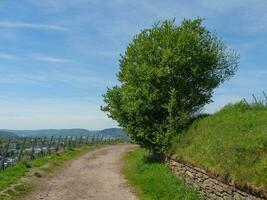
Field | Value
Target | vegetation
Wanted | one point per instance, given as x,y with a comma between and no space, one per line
167,74
43,165
231,143
152,180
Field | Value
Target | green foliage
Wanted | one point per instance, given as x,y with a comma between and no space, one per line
26,163
231,143
167,74
153,180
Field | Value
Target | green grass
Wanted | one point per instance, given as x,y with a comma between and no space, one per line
46,164
231,143
154,181
11,175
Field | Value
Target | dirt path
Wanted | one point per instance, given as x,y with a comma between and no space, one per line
93,176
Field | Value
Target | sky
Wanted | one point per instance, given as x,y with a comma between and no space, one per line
57,57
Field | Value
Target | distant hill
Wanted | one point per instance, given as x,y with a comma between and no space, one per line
51,132
112,131
7,134
63,132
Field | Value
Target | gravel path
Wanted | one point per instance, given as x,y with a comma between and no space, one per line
93,176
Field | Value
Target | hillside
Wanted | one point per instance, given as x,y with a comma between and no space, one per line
7,134
231,143
50,132
112,131
62,132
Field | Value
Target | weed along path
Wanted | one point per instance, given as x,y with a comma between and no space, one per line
95,175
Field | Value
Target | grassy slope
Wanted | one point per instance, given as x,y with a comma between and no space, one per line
45,164
154,181
232,143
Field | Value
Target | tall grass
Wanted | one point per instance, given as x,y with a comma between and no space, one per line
231,143
152,180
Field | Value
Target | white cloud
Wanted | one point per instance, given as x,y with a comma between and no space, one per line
100,31
76,79
246,16
53,59
44,58
8,56
9,24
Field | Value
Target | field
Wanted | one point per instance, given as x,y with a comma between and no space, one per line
37,156
152,180
41,166
17,149
231,143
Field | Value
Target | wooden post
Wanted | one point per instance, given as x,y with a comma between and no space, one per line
93,140
76,141
50,144
42,147
65,142
97,139
87,139
265,97
58,143
70,144
33,146
5,154
1,150
246,102
102,139
254,98
80,141
21,149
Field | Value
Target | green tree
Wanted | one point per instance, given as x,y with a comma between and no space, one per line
167,74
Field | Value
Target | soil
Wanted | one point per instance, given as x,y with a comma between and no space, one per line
94,176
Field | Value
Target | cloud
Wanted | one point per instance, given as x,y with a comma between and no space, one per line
36,57
99,32
246,16
8,56
53,59
75,79
9,24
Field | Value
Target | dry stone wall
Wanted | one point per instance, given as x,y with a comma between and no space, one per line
209,186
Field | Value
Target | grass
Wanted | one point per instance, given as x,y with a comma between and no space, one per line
152,180
231,143
44,165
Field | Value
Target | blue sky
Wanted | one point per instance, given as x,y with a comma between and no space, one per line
57,57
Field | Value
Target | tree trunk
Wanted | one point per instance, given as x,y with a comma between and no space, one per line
158,157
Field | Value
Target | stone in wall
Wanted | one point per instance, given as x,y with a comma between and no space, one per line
209,186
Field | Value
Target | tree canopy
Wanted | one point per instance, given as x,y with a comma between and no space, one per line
167,74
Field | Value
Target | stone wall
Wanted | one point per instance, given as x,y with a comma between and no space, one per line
208,185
